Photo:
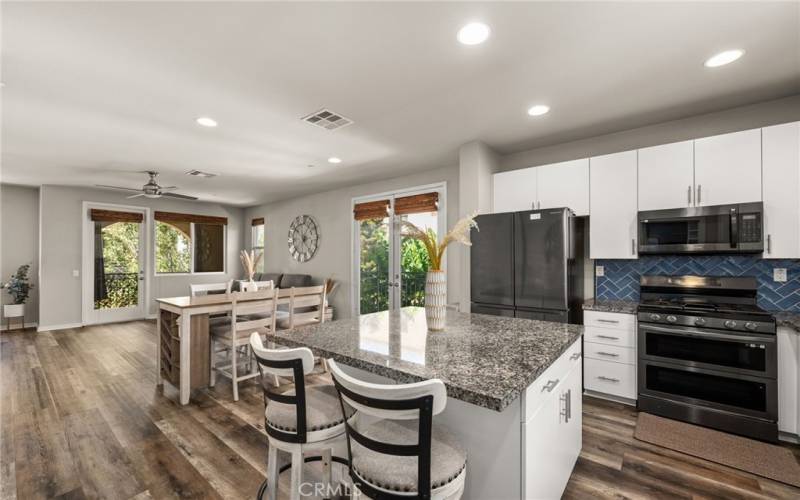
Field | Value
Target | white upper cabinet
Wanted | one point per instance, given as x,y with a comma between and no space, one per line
514,190
781,178
564,184
612,230
727,168
666,176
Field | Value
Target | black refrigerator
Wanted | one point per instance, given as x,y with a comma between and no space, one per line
529,265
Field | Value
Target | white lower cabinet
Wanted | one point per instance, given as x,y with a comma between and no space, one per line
788,380
552,432
609,351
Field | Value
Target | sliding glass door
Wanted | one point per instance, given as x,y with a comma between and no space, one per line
117,263
389,265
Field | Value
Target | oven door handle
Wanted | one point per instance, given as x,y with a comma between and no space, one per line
713,335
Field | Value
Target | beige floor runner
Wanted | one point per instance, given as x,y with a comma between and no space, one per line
763,459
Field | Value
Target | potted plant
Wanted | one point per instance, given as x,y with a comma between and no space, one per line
19,289
436,280
250,262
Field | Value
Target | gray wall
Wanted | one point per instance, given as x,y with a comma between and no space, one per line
722,122
333,212
19,237
61,221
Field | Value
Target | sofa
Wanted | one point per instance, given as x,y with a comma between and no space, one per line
281,280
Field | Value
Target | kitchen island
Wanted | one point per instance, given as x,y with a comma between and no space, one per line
513,386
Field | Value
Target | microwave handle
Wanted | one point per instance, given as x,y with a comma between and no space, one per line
734,228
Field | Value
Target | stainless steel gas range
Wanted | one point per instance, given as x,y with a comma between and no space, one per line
708,354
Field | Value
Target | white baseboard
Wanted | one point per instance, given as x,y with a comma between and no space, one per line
18,326
66,326
788,437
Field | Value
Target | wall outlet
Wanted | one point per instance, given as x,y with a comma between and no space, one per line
75,273
779,274
599,271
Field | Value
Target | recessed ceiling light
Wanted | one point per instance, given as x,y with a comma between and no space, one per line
334,160
538,110
206,121
723,58
473,33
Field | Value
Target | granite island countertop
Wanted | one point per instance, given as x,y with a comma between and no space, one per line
615,306
484,360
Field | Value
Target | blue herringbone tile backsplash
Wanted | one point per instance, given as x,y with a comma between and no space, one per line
621,280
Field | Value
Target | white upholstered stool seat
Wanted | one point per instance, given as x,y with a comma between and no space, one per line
448,457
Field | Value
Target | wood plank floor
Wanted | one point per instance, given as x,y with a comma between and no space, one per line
80,417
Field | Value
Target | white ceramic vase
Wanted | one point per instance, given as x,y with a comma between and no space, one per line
435,299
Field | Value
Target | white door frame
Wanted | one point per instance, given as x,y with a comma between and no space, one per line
394,243
89,316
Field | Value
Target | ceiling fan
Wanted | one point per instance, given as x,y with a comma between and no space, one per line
152,189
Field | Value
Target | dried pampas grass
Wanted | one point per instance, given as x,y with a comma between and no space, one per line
250,262
458,234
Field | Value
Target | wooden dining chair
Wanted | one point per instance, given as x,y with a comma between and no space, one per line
306,306
199,289
251,312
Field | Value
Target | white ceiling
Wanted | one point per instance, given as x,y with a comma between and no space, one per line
96,92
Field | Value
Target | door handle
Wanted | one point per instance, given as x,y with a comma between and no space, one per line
610,354
615,321
699,193
550,385
769,243
633,246
689,196
567,411
608,379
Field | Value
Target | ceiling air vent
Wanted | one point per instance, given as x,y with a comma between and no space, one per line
198,173
327,119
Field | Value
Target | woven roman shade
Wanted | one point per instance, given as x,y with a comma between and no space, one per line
115,216
258,221
172,217
371,210
416,204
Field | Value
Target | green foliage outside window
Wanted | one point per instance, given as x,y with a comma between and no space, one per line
120,265
173,249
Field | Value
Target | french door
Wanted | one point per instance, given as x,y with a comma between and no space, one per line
114,263
389,266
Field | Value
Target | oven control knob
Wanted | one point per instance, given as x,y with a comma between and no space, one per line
655,317
751,326
699,321
730,324
671,319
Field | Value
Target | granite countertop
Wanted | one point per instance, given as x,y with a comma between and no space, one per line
484,360
616,306
789,319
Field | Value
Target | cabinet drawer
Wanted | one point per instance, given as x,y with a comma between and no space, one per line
546,385
604,352
618,321
609,336
610,378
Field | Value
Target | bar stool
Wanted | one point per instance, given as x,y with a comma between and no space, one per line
302,419
403,454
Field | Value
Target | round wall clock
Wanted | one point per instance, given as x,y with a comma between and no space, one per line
303,238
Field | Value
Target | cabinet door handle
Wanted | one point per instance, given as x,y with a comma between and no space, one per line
608,379
699,193
611,354
550,385
633,246
769,243
609,337
615,321
567,411
575,356
689,195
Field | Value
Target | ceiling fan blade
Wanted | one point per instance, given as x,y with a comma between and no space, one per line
135,196
169,188
117,187
180,196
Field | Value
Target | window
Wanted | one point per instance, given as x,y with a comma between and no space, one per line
257,241
189,243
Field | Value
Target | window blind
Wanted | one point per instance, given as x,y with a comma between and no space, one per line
258,221
371,210
417,204
173,217
114,216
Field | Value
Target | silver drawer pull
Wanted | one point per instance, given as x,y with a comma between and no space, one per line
608,379
613,355
550,385
575,356
615,321
609,337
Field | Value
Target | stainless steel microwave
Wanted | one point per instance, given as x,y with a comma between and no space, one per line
717,229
